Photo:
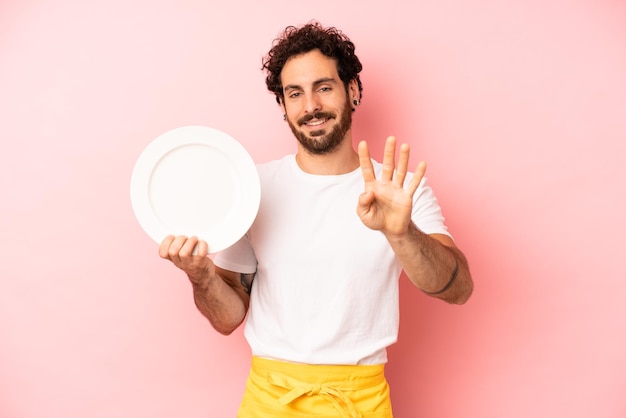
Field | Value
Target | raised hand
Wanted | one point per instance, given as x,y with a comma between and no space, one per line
386,204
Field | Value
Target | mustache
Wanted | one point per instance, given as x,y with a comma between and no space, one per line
317,115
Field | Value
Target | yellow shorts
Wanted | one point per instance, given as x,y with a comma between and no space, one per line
278,389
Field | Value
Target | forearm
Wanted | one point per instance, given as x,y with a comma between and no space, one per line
219,303
438,269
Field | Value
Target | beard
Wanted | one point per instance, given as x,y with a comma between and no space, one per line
319,142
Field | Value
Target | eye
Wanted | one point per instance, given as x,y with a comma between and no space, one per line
324,89
295,95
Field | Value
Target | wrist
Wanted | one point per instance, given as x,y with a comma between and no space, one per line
408,233
201,281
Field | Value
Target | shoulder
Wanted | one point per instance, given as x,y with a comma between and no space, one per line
273,167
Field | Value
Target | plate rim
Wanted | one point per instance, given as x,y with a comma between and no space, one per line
227,233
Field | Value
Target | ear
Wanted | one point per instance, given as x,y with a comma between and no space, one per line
353,91
281,103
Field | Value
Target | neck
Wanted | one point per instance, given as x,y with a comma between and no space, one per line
342,160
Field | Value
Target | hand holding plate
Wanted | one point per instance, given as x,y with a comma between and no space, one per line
190,255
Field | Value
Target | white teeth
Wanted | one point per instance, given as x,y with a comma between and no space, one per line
319,122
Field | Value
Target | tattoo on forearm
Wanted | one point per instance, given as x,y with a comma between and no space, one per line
246,282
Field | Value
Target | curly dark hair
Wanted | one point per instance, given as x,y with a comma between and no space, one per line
295,41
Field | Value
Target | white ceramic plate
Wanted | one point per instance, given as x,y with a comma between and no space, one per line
196,180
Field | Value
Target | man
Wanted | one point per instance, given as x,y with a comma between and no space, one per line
317,273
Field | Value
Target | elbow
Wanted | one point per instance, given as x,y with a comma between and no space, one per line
225,329
461,299
463,295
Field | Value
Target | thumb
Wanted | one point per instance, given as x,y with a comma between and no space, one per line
365,202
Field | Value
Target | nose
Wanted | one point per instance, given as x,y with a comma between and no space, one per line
312,104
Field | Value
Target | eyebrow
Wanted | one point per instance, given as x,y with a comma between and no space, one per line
315,83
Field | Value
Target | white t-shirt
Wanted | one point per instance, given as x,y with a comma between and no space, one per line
326,286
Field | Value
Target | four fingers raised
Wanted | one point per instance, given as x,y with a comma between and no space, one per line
391,172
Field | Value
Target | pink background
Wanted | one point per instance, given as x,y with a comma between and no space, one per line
519,108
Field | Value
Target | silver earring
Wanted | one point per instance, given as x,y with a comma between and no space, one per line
284,116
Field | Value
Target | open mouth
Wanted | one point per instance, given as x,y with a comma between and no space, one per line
315,122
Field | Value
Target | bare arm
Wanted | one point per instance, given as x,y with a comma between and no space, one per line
432,262
222,296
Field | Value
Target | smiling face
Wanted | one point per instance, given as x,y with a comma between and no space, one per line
316,103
